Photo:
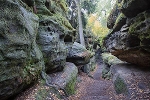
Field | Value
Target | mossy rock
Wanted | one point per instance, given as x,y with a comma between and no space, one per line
21,60
70,87
120,86
132,8
53,28
106,74
140,28
120,21
113,16
110,59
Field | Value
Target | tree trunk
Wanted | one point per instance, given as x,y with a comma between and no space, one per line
82,41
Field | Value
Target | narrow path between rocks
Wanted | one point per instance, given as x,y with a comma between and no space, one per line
95,88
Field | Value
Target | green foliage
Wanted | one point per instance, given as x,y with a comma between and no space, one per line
70,87
89,5
97,29
103,9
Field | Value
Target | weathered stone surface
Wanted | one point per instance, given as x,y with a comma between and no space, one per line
108,61
54,27
78,54
53,49
139,29
66,79
120,21
113,16
133,7
132,81
90,66
131,43
20,58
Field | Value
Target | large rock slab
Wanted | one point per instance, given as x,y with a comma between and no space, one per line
78,54
131,81
131,43
66,79
20,58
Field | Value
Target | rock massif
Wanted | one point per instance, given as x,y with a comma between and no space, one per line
129,37
129,40
20,58
34,37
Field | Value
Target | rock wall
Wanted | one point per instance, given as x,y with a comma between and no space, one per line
129,31
34,38
53,28
21,60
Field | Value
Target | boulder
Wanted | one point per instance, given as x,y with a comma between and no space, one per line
20,58
131,81
52,47
108,61
90,66
53,28
66,79
63,84
78,54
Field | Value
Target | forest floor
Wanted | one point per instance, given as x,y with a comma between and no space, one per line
95,87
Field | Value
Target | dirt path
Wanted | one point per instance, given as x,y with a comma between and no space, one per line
95,88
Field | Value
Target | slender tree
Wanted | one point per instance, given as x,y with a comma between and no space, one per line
82,41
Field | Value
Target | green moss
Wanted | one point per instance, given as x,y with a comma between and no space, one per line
70,87
109,59
59,6
106,74
120,4
119,18
62,21
30,72
120,86
63,5
138,27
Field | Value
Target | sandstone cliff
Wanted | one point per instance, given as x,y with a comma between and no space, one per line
129,31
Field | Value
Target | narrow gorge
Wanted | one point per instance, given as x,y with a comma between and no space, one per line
41,57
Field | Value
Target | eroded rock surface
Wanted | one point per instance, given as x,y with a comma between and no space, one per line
131,81
36,38
53,28
78,54
129,38
20,58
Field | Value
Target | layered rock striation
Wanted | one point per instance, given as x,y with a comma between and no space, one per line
129,37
